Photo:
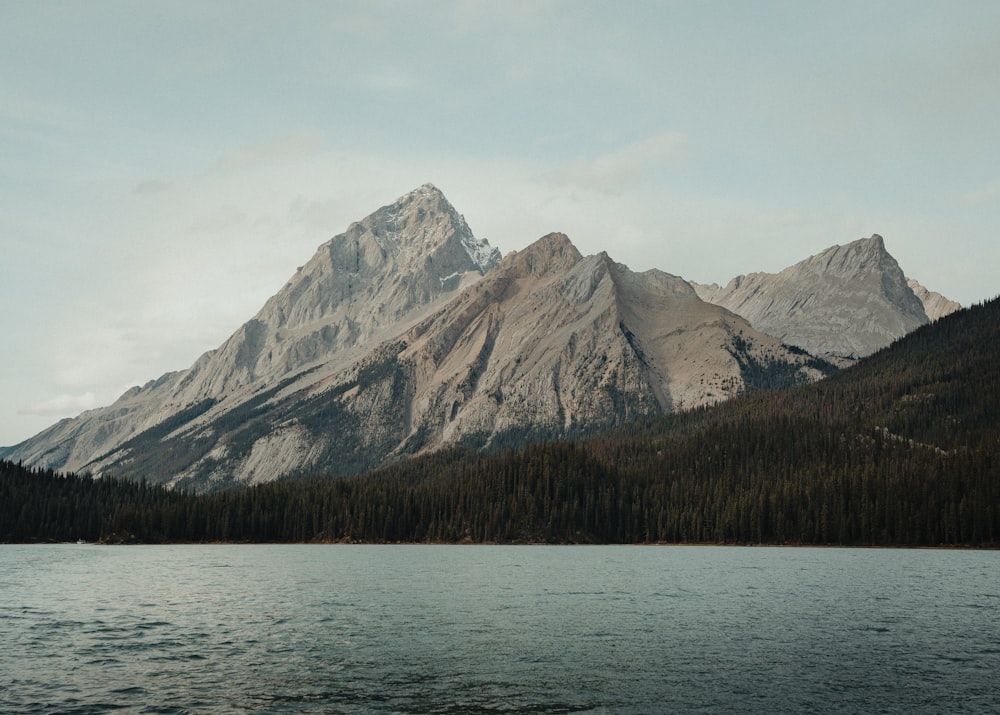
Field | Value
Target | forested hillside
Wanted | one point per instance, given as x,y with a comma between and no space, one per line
900,449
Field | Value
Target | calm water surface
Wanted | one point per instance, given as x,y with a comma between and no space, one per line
457,629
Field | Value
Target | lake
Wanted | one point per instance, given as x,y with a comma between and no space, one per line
508,629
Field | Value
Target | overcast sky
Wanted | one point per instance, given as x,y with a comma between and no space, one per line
167,165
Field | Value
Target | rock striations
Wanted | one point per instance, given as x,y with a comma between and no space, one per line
846,302
405,334
936,306
554,343
389,269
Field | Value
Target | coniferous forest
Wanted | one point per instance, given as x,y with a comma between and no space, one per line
900,449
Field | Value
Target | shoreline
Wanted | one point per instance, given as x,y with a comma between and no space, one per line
341,542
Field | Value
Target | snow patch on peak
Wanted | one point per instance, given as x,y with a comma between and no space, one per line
381,243
421,192
430,199
480,252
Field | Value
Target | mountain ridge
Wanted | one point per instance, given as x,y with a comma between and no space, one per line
405,334
316,315
842,303
936,306
898,450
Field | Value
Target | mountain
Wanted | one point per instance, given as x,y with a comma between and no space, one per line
844,303
900,449
393,267
936,306
555,343
405,334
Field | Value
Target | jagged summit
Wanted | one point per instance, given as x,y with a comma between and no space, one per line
552,252
397,262
852,258
387,270
844,302
936,306
427,204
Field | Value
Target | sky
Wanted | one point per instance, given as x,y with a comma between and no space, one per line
166,166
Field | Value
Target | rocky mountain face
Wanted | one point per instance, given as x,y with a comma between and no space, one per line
404,334
552,342
398,263
936,306
842,304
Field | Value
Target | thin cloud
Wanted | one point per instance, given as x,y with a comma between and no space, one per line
64,404
197,61
985,195
274,150
151,186
392,79
38,113
360,25
621,169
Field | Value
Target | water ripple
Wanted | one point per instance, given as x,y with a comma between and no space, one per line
260,629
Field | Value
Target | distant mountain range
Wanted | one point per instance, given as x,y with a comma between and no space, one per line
900,449
405,333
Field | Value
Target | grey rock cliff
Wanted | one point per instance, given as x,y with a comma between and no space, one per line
564,344
846,302
384,270
936,306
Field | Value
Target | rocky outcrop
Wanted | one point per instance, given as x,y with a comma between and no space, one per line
846,302
936,306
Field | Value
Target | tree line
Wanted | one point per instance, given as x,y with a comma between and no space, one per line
900,449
